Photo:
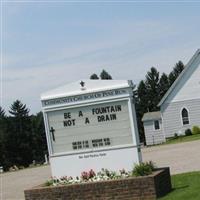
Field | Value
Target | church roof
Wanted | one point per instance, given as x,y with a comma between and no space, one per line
189,64
88,86
151,116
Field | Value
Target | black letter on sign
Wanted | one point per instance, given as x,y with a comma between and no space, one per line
52,130
87,121
80,114
67,115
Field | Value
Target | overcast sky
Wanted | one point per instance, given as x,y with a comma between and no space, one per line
49,44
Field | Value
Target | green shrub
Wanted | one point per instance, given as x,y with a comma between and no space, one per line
143,169
49,183
195,130
175,135
188,132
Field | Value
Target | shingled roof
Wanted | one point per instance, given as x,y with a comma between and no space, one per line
189,64
151,116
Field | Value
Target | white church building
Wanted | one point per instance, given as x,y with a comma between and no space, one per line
179,108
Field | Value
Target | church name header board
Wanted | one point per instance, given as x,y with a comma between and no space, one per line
84,97
92,136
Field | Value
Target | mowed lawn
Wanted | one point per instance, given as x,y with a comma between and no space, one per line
185,187
183,139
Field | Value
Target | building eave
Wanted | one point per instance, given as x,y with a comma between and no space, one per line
151,116
194,57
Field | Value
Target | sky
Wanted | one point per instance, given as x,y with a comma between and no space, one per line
45,44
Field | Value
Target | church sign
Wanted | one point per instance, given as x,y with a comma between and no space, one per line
77,98
92,129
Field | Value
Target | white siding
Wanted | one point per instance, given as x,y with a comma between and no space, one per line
153,136
188,87
172,120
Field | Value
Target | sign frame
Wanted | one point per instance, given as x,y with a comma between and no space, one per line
57,159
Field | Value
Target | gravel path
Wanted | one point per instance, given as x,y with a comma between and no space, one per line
182,157
14,183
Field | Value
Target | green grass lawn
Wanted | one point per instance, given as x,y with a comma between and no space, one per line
183,139
185,187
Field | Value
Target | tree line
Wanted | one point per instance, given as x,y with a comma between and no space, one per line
149,92
22,136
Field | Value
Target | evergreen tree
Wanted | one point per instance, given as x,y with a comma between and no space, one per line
152,85
163,85
141,107
18,109
105,76
94,76
2,136
39,144
2,112
175,72
18,140
148,98
142,93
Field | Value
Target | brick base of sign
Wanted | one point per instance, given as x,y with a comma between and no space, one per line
146,188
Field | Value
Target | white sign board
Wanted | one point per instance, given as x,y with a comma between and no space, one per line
90,127
94,135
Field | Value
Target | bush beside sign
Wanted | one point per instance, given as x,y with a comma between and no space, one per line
145,188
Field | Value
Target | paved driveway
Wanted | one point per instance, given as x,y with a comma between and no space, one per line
14,183
180,158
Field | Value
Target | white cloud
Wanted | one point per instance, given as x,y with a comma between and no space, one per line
126,50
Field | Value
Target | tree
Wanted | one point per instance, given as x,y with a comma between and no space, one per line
39,144
152,85
18,109
18,140
147,97
142,94
2,136
178,68
141,107
2,112
105,76
94,76
163,85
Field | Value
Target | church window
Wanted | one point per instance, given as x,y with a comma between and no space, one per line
156,125
185,116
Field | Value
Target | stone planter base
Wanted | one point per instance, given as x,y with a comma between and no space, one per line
144,188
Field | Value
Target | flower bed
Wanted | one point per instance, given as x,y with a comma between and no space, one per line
89,176
142,169
127,188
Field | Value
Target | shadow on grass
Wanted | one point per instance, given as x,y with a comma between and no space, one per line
174,189
179,188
